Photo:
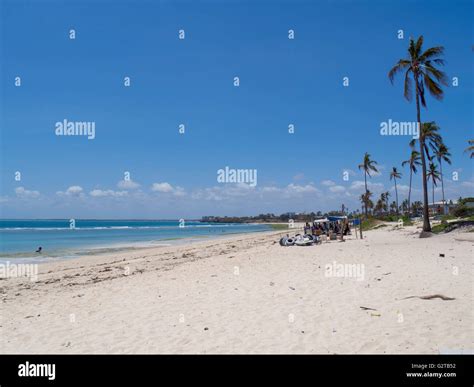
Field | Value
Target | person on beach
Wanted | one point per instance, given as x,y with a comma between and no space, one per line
347,229
306,228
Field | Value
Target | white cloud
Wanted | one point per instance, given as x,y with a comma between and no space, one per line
127,184
337,188
168,188
74,190
21,192
270,189
234,191
402,188
301,189
359,185
162,187
327,183
213,193
179,191
109,193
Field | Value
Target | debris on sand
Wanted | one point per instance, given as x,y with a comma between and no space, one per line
366,308
432,296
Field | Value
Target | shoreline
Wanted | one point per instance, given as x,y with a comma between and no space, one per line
119,247
247,294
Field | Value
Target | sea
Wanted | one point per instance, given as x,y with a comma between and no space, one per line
63,239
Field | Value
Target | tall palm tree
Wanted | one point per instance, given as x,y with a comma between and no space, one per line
421,66
368,166
441,152
413,162
434,175
395,175
470,148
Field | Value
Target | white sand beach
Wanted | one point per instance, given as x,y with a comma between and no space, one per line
248,294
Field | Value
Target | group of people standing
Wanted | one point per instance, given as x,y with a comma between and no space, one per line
326,228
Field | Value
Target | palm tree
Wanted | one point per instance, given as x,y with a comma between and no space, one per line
470,148
405,206
383,200
370,203
434,175
395,175
421,66
387,196
413,162
368,166
379,206
441,152
416,206
430,132
393,207
365,199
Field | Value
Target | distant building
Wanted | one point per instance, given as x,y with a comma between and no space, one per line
436,208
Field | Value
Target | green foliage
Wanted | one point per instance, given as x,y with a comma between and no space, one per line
394,218
462,211
465,200
279,226
369,224
439,228
447,217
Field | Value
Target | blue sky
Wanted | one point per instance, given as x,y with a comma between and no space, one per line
190,81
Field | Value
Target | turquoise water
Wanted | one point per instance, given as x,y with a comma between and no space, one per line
20,238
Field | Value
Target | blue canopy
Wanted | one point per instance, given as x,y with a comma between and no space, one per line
336,218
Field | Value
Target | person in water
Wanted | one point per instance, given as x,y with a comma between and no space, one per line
39,250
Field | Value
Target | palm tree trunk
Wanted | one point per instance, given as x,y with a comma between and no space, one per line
442,185
409,193
432,185
426,214
396,193
366,198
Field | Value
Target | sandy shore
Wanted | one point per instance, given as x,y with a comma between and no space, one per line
247,294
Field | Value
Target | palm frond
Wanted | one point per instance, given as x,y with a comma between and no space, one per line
432,53
407,89
438,74
419,44
421,93
433,87
400,66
